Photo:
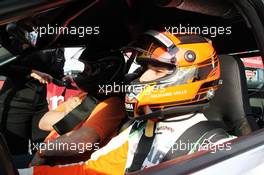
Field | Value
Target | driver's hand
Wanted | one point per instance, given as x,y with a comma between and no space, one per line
72,103
41,76
68,78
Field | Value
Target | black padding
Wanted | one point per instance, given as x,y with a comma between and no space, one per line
6,164
231,102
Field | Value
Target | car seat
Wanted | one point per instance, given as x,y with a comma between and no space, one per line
231,103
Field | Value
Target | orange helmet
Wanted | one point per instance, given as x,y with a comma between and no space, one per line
191,82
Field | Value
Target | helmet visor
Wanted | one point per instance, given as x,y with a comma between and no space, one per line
150,50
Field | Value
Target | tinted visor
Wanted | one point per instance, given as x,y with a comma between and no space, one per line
150,50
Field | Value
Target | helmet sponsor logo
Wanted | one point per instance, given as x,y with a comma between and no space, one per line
131,97
169,94
129,106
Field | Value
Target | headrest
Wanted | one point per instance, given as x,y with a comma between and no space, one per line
231,102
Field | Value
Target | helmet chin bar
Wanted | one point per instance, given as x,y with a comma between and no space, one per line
173,112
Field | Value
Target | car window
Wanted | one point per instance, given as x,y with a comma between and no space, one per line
5,56
72,66
254,70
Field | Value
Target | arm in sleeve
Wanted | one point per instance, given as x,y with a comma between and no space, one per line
110,159
107,117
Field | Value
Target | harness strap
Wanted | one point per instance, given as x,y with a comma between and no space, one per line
143,148
76,116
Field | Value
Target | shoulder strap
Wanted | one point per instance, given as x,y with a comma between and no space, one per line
76,116
142,150
197,132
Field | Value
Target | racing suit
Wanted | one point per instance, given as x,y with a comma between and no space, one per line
126,153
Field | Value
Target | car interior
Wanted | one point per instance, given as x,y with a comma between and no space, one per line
239,103
231,102
7,165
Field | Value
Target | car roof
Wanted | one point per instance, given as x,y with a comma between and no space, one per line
126,21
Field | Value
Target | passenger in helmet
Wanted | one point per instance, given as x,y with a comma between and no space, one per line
99,70
179,76
102,113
